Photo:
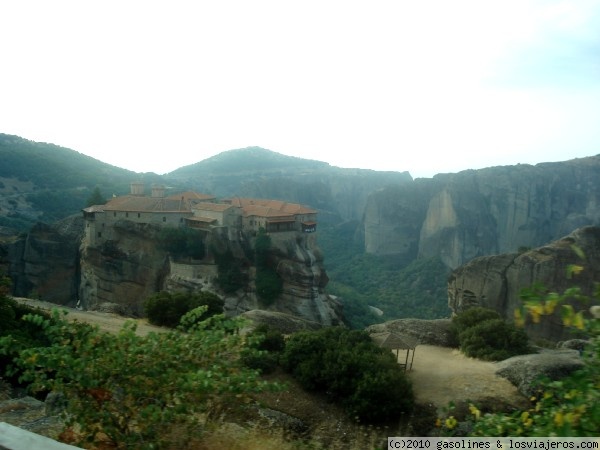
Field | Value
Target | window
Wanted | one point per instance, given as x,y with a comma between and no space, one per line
164,219
126,214
139,215
115,214
99,234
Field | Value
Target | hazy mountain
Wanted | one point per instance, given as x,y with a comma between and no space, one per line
339,194
46,182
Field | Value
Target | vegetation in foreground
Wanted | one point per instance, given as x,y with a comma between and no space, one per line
171,389
568,407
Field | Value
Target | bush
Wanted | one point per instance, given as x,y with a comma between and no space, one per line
167,309
265,346
469,318
482,333
352,370
493,340
130,391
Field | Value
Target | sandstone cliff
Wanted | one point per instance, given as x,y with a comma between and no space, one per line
44,262
457,217
119,275
496,281
299,264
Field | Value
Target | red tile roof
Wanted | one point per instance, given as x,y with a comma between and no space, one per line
266,208
207,206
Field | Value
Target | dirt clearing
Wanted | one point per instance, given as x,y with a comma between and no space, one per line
105,321
441,375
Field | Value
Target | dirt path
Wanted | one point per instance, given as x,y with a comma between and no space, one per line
106,321
441,375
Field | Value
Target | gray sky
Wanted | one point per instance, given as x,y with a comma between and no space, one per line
426,86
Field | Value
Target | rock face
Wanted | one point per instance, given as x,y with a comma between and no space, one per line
457,217
120,274
44,263
299,264
56,265
496,281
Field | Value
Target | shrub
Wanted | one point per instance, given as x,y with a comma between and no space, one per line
265,345
130,391
167,309
482,333
493,340
365,379
469,318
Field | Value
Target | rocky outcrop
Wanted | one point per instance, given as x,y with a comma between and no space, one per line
525,371
121,273
426,332
124,271
457,217
496,282
44,262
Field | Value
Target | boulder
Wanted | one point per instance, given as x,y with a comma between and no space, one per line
524,371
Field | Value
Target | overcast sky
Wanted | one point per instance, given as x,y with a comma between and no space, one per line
426,86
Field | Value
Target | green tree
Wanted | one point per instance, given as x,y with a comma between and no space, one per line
230,275
182,242
268,283
96,198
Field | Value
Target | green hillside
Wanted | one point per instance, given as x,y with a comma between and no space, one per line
249,159
46,182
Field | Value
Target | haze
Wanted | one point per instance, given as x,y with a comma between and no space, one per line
428,86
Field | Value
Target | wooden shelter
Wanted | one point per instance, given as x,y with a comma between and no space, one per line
396,342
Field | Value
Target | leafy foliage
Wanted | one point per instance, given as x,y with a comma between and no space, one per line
167,309
182,242
365,379
130,391
230,275
265,345
482,333
493,340
13,330
96,198
566,407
